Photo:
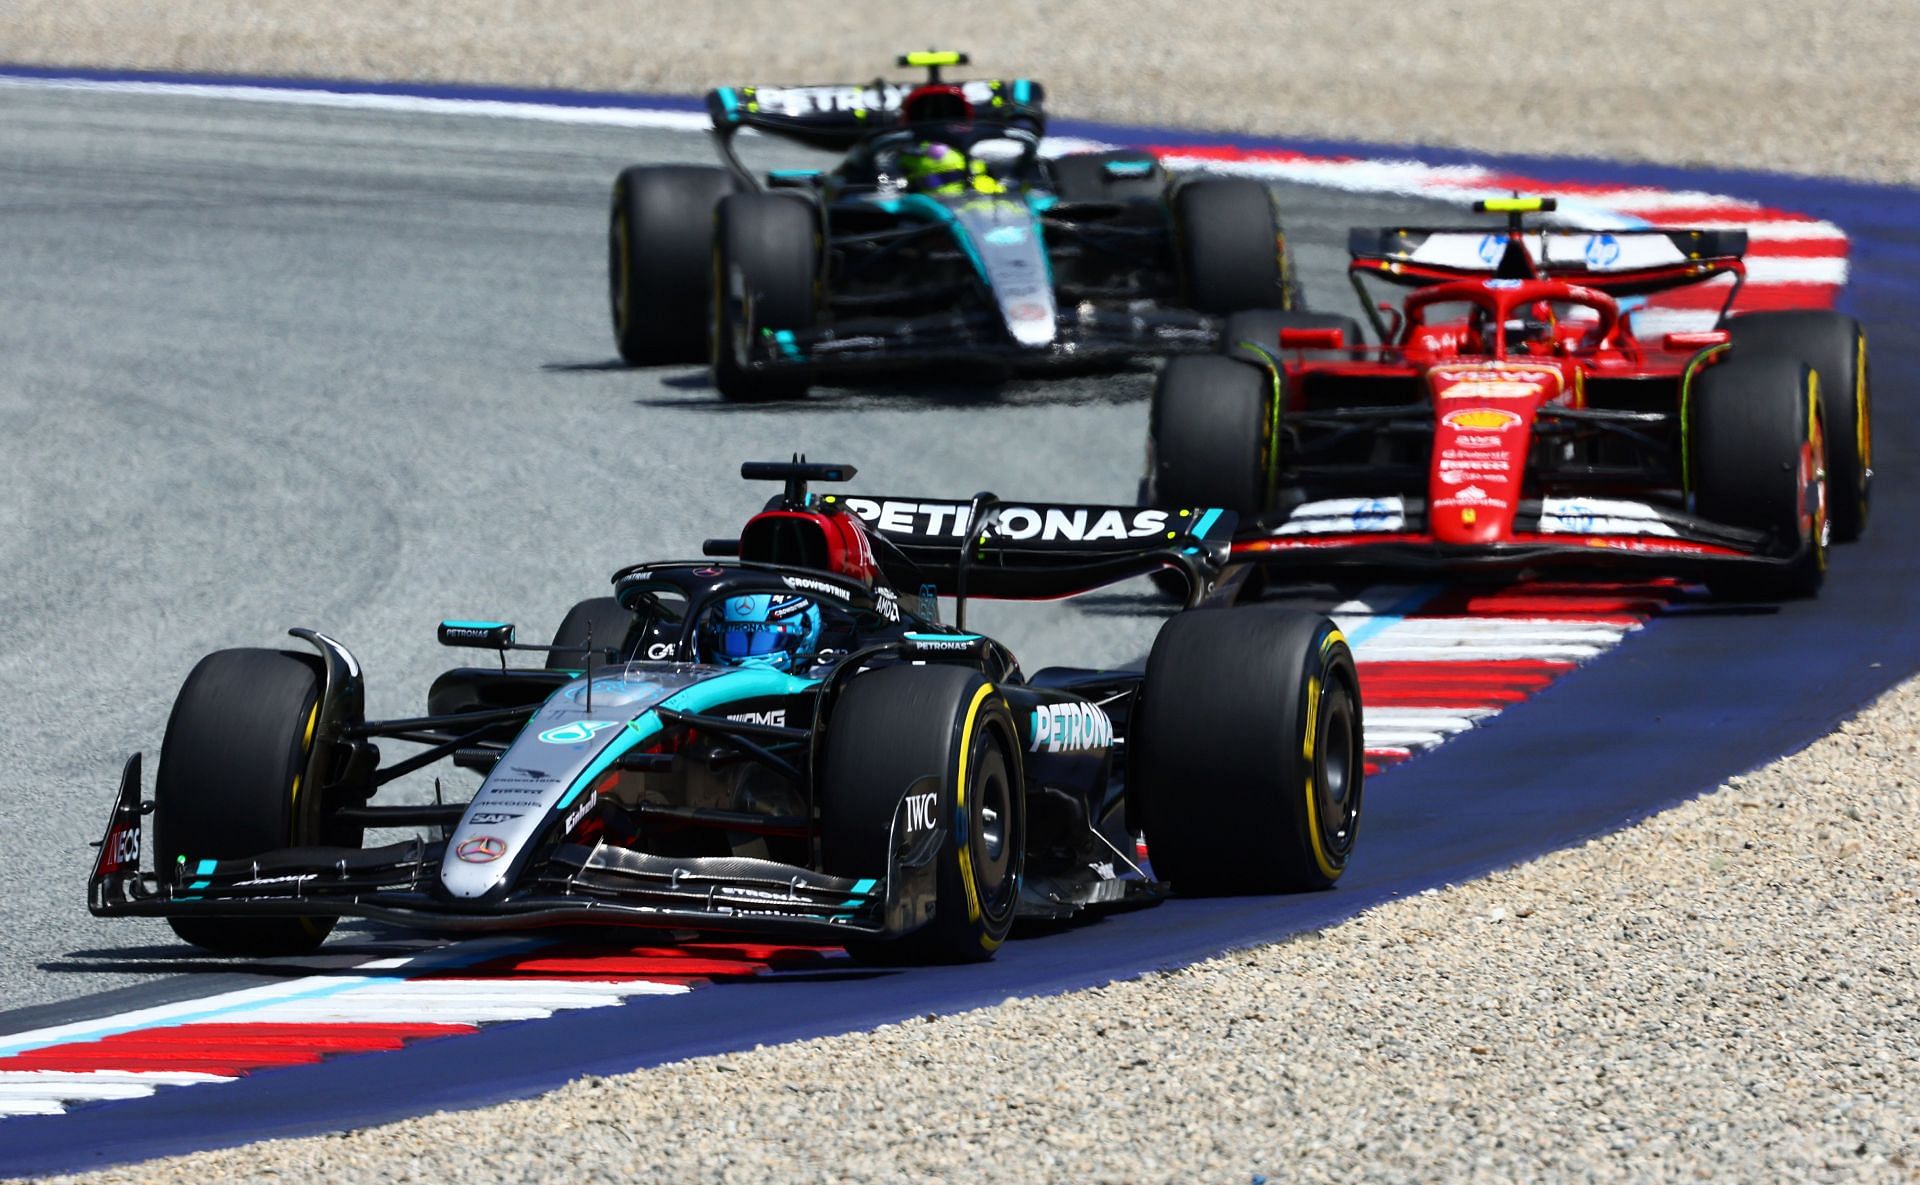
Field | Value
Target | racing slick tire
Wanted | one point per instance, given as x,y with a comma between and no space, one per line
1123,175
599,618
1246,760
229,785
942,729
1758,460
1254,336
1835,345
1210,435
659,233
766,255
1229,247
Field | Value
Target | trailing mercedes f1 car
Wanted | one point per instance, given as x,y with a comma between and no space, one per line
772,740
941,235
1513,418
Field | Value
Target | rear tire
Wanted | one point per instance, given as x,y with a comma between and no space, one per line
1835,346
1247,763
765,266
1087,177
1758,460
894,727
230,785
1209,435
659,235
1230,248
605,621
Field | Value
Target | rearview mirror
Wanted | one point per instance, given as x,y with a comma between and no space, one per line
480,635
1699,339
1313,339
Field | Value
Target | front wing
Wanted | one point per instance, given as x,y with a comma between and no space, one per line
573,885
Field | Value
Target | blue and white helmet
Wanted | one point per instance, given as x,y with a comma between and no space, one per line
779,631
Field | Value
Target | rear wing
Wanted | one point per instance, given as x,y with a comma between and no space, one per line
1038,550
1622,262
837,117
981,546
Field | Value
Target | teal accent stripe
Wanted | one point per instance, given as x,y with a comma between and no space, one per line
742,684
728,101
206,867
862,889
1207,519
474,625
1022,90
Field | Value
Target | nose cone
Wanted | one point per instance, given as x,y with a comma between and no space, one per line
1007,242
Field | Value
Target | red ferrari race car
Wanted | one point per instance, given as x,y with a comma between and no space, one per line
1512,417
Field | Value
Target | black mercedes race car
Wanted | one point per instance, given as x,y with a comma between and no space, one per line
941,235
772,740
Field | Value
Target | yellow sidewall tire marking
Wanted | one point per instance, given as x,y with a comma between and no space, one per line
960,805
1307,748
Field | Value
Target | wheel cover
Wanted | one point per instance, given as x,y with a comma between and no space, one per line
992,824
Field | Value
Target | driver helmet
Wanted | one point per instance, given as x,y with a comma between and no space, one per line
935,112
1538,330
774,631
936,103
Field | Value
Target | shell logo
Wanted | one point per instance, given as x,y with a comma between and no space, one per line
1481,419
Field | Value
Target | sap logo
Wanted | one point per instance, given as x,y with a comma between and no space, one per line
577,733
1070,728
492,818
920,808
579,813
777,717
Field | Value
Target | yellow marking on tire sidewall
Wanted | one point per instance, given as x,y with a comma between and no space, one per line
1307,748
1863,431
1817,441
960,805
306,747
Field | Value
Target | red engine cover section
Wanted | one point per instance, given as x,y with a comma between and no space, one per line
1482,432
835,542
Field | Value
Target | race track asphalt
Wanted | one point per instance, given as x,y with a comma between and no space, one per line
269,366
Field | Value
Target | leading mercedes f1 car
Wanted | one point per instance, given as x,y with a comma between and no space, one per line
1512,417
942,235
772,741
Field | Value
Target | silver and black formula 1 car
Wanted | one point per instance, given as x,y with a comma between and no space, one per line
941,235
773,740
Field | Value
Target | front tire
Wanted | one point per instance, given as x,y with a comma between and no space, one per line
599,618
765,266
1247,759
232,784
1759,461
1835,346
1210,435
659,234
944,727
1230,247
